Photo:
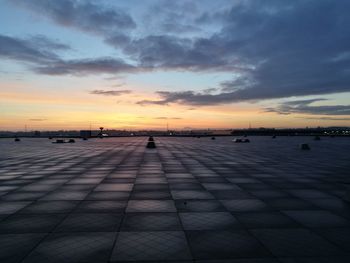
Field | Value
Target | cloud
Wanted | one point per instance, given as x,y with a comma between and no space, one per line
34,50
82,15
273,49
167,52
119,40
191,98
37,51
194,98
84,66
168,118
173,17
47,43
179,28
114,78
118,85
110,92
306,107
327,118
37,119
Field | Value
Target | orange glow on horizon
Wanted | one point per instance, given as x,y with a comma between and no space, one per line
68,110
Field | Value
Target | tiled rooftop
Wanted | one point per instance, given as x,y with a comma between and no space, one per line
188,200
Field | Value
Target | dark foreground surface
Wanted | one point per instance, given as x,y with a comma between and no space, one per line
189,200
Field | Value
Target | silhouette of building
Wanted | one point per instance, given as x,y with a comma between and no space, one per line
85,133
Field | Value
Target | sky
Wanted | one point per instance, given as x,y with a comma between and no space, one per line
202,64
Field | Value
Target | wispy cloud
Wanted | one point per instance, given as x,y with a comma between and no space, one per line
118,85
306,107
168,118
110,92
37,119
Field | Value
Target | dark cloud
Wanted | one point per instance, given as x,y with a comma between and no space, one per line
306,107
327,119
110,92
84,66
172,17
212,17
179,28
35,50
191,98
83,15
274,49
47,43
167,52
119,40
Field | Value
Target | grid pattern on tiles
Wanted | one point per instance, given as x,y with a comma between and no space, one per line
188,200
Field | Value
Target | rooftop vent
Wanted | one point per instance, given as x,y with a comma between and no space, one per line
238,140
59,141
151,145
305,146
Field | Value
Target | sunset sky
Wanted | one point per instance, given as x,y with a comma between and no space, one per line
192,64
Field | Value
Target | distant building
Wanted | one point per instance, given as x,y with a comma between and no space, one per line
221,132
85,133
